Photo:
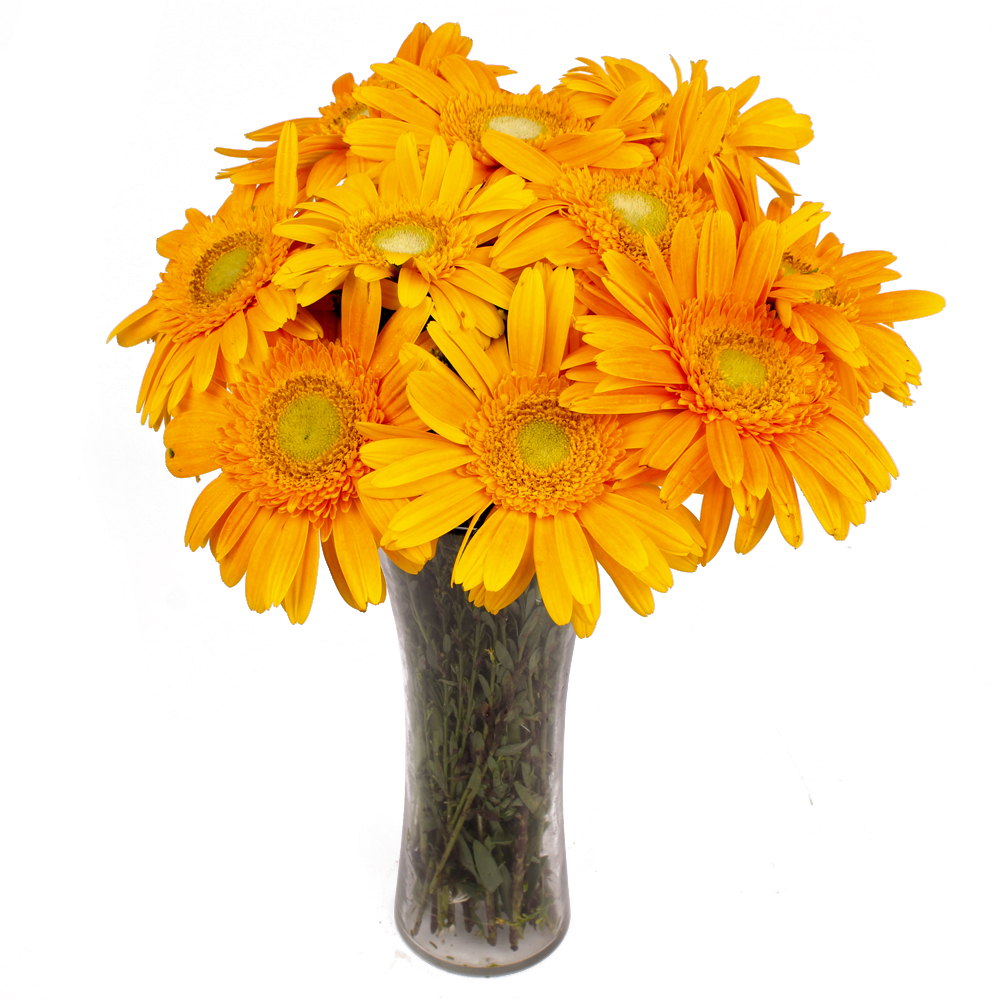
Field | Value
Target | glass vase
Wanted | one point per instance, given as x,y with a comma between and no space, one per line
482,884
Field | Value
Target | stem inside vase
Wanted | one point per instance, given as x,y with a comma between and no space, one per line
482,877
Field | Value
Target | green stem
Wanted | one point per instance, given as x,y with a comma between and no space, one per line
465,804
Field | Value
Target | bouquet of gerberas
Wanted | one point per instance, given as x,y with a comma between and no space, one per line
548,319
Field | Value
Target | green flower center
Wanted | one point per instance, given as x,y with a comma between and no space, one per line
308,428
407,238
542,444
517,126
222,267
643,212
738,368
226,271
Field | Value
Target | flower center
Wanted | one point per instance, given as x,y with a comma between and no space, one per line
223,266
744,372
517,126
405,238
618,210
308,428
528,117
743,365
828,297
305,430
791,264
534,456
738,368
543,444
226,271
642,212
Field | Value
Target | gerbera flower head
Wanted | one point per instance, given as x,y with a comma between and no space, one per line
700,128
287,439
546,476
423,227
735,405
595,89
824,296
323,153
463,103
215,303
593,211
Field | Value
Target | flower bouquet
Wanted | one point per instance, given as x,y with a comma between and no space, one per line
480,343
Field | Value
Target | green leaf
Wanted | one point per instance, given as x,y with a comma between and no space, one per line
465,856
485,684
437,773
533,801
486,868
475,782
532,624
553,642
503,655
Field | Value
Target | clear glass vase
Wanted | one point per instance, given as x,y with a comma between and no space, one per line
482,884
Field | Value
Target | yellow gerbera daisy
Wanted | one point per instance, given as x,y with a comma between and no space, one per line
464,104
582,214
546,475
323,146
287,439
702,128
215,304
321,141
424,227
826,297
736,406
594,88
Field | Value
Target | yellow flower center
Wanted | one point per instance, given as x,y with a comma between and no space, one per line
533,118
226,271
335,119
292,440
742,364
792,264
743,370
392,235
738,368
534,456
618,209
643,212
543,444
305,430
518,126
828,297
405,238
222,266
308,428
844,299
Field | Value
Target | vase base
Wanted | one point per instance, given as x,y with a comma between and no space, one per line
451,951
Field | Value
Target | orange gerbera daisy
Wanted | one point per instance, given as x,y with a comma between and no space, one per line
736,406
582,214
424,227
215,303
701,128
323,151
837,300
594,88
287,439
463,103
547,476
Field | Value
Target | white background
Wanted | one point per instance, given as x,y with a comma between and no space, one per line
783,783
